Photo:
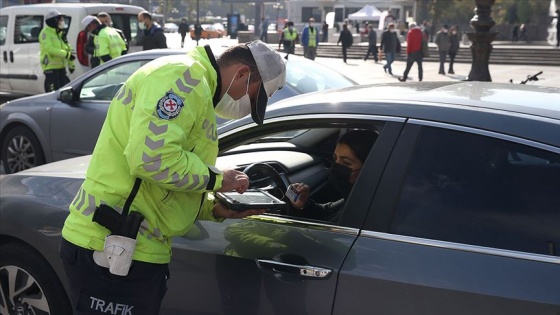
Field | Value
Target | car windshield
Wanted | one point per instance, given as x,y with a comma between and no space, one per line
305,76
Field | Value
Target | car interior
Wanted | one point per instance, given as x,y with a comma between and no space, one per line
277,159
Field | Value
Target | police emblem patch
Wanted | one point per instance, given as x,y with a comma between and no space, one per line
169,106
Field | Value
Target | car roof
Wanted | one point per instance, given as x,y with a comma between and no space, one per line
526,111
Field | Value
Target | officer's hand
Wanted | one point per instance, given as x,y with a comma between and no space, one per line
221,211
71,70
234,180
71,56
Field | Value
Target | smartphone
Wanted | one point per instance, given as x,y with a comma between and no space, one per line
292,194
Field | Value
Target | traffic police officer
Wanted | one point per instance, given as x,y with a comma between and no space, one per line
155,156
107,41
56,54
309,40
289,38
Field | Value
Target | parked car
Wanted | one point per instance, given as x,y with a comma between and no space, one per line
66,123
20,67
208,31
170,28
455,211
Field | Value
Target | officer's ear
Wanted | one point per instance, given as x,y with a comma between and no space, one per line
242,71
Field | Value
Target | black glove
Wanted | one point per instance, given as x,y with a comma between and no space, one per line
71,70
71,56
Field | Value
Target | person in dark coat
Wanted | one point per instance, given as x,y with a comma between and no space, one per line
453,47
443,42
183,30
557,28
325,32
350,154
389,43
346,39
372,44
153,33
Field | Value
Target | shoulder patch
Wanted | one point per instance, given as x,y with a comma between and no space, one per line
169,106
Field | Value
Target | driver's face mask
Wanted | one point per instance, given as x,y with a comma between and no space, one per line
229,108
339,178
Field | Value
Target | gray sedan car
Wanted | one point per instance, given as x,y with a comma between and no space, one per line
456,210
66,123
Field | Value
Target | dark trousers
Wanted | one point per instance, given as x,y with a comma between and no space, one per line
410,59
442,57
183,35
452,55
372,49
55,79
289,46
344,48
558,34
264,36
93,288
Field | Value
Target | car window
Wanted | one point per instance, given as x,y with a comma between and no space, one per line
478,190
27,28
3,29
306,76
103,85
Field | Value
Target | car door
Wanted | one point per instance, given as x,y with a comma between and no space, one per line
75,127
273,263
24,65
465,222
5,45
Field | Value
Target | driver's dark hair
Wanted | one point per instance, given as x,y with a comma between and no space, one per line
239,54
360,142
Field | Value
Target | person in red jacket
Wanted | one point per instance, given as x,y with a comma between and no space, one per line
413,50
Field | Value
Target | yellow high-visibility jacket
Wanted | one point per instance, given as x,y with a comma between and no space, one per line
160,127
54,51
108,43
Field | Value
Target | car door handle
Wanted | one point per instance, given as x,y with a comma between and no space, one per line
11,56
299,270
5,55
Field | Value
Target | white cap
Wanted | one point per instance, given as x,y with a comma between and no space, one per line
88,19
272,69
52,13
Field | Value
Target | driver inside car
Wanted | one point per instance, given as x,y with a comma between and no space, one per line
349,155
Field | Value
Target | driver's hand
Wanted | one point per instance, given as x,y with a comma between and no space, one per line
303,191
221,211
234,180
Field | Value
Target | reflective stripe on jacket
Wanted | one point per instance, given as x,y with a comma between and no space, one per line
54,51
172,155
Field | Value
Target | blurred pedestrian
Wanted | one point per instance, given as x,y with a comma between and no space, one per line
183,30
413,51
264,30
153,33
515,33
55,52
198,32
443,42
310,40
389,43
372,44
289,38
325,32
557,28
346,39
453,47
522,32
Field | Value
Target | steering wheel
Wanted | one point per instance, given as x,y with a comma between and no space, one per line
264,176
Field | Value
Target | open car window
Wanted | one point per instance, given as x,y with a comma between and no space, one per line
293,156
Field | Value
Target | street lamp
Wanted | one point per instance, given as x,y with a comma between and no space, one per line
278,6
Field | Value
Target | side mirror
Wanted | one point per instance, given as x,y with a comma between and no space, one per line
66,95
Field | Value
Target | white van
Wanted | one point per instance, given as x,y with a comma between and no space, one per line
20,68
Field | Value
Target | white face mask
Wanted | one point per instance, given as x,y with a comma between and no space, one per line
142,25
61,24
229,108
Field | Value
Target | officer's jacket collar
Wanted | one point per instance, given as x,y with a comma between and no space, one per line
212,59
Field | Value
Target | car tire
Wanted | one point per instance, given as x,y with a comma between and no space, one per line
37,288
21,150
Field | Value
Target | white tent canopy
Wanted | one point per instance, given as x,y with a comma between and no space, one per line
367,13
